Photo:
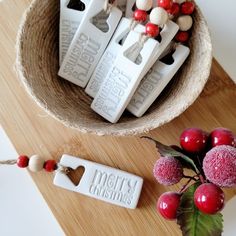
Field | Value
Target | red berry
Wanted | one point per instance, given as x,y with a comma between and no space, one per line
182,36
166,4
168,204
151,30
209,198
193,140
174,10
187,8
22,161
140,15
219,166
50,165
222,136
168,171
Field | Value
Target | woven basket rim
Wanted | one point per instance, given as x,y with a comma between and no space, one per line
110,129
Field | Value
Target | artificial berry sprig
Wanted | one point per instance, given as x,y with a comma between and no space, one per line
199,202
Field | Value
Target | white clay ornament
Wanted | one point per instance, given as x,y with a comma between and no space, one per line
127,71
97,181
69,22
102,182
110,55
115,45
155,81
89,43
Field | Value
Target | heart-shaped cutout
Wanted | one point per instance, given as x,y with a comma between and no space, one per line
168,59
76,175
100,21
76,5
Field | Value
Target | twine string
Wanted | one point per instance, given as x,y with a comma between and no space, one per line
108,4
8,162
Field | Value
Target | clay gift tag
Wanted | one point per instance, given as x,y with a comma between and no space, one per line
155,81
71,14
167,34
101,182
89,42
124,77
110,55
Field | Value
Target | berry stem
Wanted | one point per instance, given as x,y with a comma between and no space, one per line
190,177
185,186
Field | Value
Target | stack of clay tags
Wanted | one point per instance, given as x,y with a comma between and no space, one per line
123,52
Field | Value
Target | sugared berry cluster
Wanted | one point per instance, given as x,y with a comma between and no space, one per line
214,155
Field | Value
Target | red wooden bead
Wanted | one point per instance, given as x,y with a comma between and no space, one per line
174,10
187,8
140,15
151,30
182,36
166,4
50,165
22,161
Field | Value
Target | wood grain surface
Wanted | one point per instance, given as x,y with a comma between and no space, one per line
33,131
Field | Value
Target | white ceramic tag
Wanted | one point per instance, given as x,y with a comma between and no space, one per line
102,182
89,43
155,81
69,23
167,34
123,78
110,55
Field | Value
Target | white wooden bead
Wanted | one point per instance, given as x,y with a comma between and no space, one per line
36,163
179,1
144,5
158,16
184,22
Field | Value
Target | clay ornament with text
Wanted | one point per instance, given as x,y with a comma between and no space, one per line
70,18
123,77
110,55
101,182
89,42
128,70
155,81
167,34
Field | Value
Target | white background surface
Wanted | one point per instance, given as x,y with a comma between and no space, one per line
221,18
23,211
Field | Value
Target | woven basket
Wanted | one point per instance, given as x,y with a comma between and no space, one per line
37,67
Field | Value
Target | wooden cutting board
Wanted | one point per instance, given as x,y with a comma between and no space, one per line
33,131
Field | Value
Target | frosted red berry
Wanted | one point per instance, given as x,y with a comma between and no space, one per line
182,36
168,204
219,166
187,8
151,30
50,165
193,140
168,171
166,4
222,136
22,161
140,15
209,198
174,10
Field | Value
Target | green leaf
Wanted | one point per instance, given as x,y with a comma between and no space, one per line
169,151
195,223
